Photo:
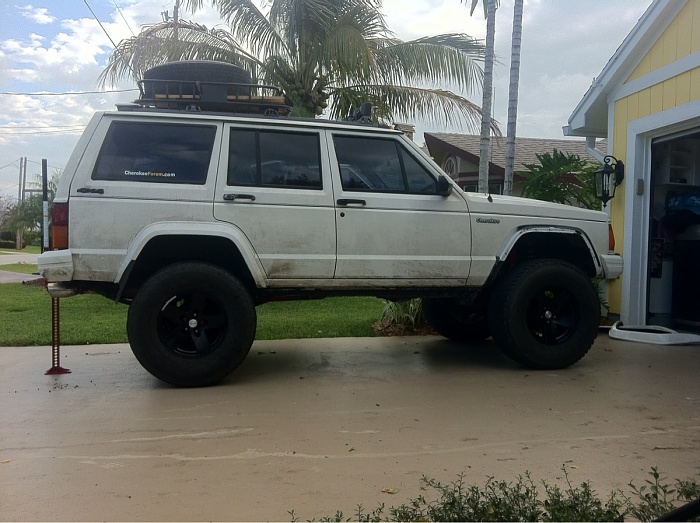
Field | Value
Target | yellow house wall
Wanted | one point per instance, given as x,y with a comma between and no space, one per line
680,39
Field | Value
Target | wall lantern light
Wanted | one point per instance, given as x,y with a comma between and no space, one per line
608,177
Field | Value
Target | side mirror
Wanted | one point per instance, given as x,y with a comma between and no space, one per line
444,187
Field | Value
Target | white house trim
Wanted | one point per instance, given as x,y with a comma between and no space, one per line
640,134
681,66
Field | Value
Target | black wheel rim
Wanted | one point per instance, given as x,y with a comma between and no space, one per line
552,316
192,325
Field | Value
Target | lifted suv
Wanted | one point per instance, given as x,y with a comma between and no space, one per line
194,218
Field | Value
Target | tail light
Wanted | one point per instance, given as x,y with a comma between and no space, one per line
611,238
59,225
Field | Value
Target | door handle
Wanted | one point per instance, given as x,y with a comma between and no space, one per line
232,197
350,201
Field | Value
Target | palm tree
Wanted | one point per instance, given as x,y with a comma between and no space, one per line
327,56
484,156
513,96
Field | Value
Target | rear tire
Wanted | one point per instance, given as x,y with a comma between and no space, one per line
457,322
545,314
191,324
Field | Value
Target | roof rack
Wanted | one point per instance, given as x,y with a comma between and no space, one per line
213,96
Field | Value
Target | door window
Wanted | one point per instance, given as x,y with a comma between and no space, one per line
155,152
274,159
380,165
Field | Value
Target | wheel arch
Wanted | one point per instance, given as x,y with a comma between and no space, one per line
568,244
159,245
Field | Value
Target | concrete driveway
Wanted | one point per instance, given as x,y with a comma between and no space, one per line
7,258
320,425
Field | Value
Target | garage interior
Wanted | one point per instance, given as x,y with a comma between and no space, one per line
673,283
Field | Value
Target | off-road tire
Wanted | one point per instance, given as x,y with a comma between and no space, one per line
198,71
545,314
462,323
191,324
195,71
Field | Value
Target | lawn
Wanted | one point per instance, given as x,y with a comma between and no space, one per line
26,318
30,249
24,268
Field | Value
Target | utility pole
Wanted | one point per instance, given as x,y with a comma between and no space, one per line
19,184
24,180
19,234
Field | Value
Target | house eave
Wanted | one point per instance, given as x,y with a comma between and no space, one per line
590,117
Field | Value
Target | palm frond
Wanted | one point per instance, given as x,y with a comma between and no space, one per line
156,45
345,51
392,102
448,58
249,26
484,3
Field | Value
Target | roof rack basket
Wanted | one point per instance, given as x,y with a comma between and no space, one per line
213,96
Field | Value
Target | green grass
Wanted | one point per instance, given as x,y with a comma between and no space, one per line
328,318
30,249
26,314
26,318
24,268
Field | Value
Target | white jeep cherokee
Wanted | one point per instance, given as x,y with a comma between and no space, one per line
194,218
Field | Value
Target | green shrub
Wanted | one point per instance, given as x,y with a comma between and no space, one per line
405,313
520,500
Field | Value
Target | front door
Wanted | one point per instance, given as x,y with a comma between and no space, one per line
391,222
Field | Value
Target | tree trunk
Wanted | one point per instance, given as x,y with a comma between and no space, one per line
513,96
485,141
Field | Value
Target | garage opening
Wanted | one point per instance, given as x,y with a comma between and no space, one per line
673,277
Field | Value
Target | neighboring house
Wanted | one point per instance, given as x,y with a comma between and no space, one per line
458,155
646,102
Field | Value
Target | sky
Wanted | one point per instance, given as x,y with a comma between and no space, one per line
55,47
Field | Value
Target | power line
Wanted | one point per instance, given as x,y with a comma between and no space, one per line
52,166
47,128
98,21
69,93
122,15
56,131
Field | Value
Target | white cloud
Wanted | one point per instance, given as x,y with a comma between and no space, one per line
39,15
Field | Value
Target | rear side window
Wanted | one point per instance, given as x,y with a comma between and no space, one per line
155,152
274,159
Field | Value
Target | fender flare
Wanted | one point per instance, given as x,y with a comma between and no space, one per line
213,229
520,232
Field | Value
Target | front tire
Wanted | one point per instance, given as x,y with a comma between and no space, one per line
545,314
191,324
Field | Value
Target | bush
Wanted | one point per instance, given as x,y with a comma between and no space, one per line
520,500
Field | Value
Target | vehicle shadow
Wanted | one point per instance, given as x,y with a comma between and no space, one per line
417,356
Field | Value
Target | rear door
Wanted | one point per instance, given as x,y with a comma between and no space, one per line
392,224
274,185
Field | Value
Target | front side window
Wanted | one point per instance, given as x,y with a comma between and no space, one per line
274,159
156,152
380,165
